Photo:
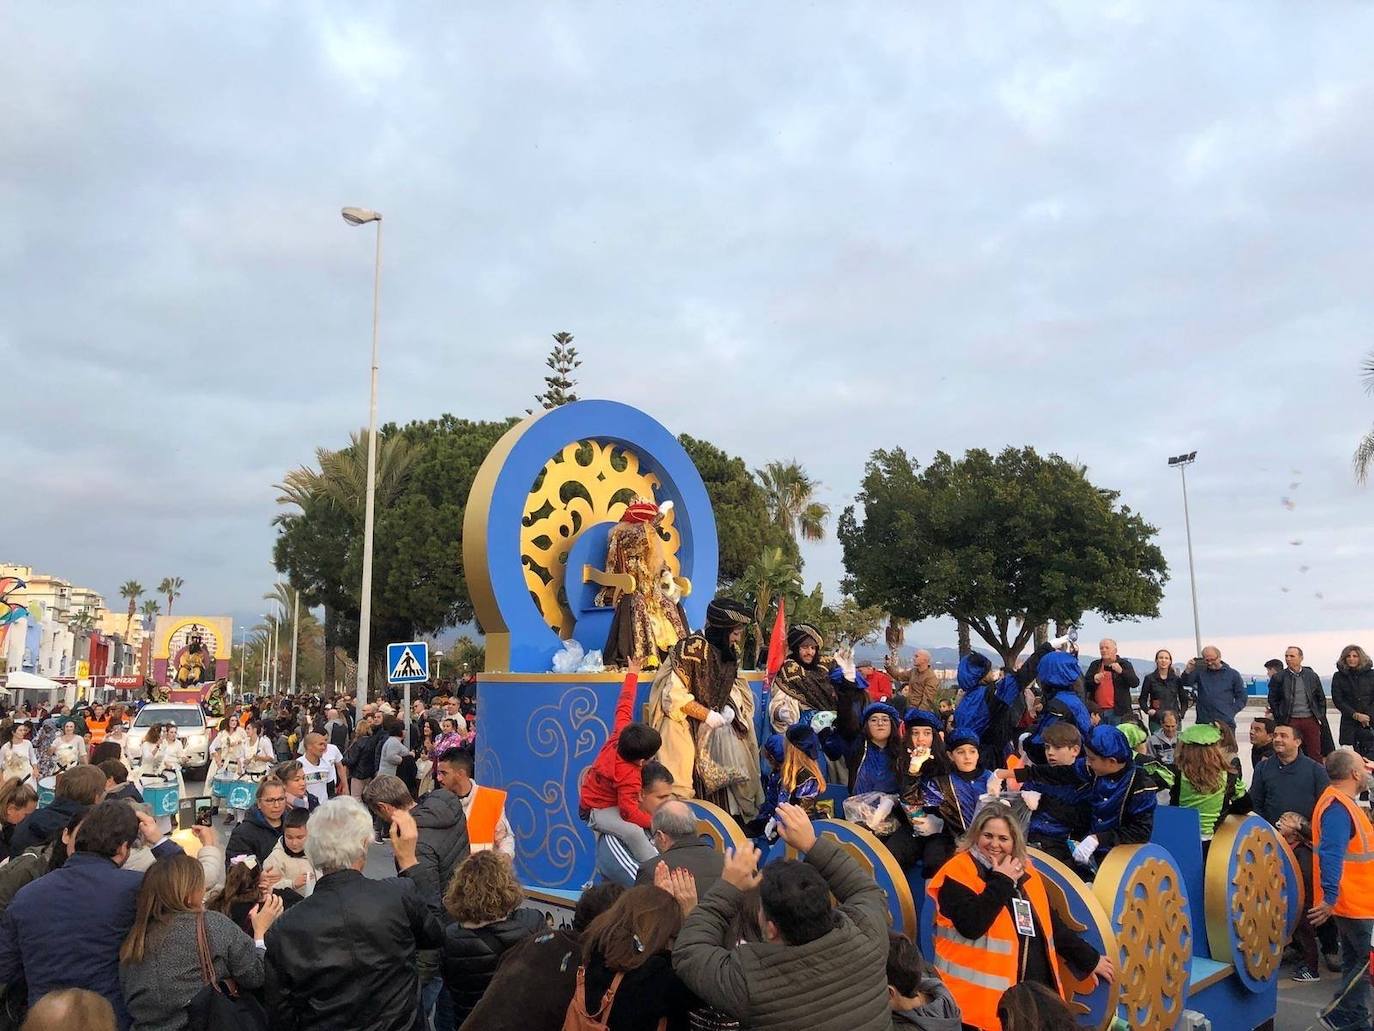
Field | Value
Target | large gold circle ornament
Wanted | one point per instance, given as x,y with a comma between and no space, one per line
1247,899
1141,887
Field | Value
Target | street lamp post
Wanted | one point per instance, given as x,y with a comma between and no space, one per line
1182,462
358,217
295,640
243,655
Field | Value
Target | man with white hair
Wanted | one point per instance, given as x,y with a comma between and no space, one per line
1343,879
1218,688
678,840
1111,682
346,956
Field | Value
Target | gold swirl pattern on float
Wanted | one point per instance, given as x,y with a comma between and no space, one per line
1259,902
543,815
1154,939
586,483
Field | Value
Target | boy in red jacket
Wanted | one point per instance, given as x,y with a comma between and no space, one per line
611,787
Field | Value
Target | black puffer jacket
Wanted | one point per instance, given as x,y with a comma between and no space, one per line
443,831
471,955
1352,692
442,846
345,957
254,836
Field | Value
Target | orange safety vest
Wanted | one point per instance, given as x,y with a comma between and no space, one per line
483,815
98,728
1356,898
978,970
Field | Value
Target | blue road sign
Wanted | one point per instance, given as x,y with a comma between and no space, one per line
407,662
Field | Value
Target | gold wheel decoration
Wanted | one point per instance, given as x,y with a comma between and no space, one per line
1154,939
586,483
1252,903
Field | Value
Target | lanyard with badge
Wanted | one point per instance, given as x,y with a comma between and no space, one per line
1025,919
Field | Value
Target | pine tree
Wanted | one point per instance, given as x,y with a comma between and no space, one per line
562,360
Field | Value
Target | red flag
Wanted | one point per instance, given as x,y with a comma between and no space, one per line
777,645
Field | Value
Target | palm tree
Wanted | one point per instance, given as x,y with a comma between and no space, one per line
133,590
150,610
341,481
83,620
791,494
171,587
1364,453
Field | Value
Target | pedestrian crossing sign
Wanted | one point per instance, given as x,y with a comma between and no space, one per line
407,662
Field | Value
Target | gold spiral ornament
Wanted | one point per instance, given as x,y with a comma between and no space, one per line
1258,911
586,483
1154,937
1247,912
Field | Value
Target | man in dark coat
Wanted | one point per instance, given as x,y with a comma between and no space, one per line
442,844
679,842
64,930
1111,683
345,956
1296,697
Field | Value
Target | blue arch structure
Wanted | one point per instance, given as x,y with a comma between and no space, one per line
518,640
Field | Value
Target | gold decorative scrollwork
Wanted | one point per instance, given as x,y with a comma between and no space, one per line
1154,939
586,483
1252,904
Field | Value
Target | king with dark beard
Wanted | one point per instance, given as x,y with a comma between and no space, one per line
808,683
704,711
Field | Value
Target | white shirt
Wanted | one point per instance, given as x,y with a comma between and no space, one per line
318,778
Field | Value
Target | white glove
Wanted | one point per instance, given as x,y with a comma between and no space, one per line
845,660
884,809
1032,799
1060,643
715,719
727,714
994,785
1084,852
822,721
925,826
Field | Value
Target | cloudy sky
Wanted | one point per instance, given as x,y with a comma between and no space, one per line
1113,230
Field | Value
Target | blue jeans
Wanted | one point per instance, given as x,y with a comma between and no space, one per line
437,1005
1352,1010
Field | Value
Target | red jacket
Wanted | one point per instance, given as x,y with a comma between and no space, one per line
611,780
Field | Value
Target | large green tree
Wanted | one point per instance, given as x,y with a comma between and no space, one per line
1006,543
743,522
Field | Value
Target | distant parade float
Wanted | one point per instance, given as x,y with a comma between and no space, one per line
588,523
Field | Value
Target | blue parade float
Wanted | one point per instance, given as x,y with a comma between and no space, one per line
1185,934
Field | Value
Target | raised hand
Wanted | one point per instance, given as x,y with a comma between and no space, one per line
795,827
742,867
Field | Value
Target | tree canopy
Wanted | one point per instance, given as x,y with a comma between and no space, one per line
1007,543
425,471
743,522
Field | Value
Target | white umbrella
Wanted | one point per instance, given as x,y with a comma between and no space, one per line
20,680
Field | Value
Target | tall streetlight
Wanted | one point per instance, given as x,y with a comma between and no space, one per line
359,217
243,655
295,640
1182,462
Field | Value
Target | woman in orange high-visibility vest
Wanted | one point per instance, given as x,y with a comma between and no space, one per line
994,927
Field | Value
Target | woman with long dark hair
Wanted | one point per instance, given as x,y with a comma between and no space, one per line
627,967
1162,691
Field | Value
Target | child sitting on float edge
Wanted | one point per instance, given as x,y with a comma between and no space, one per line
611,787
